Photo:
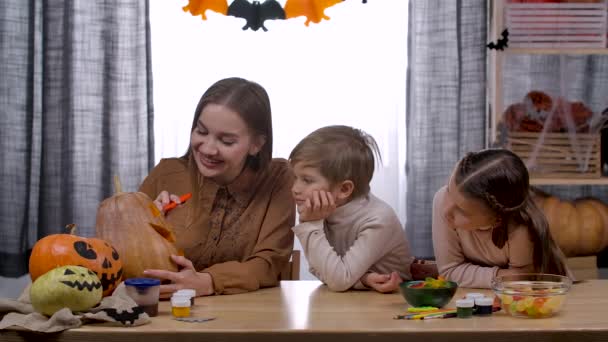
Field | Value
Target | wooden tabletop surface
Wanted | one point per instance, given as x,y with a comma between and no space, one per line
307,311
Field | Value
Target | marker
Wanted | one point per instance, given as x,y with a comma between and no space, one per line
183,198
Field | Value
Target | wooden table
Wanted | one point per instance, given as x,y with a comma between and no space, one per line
307,311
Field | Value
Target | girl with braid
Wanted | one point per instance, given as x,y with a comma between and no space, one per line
485,223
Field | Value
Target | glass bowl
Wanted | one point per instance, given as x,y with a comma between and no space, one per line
533,295
423,296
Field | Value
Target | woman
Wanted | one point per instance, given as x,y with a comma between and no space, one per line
235,230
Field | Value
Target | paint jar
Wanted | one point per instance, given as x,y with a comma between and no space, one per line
190,293
180,306
464,308
483,306
472,296
145,293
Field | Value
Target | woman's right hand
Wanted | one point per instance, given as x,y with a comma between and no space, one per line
165,198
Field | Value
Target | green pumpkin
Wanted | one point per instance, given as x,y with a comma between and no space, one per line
73,287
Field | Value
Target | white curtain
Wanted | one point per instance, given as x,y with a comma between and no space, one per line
349,70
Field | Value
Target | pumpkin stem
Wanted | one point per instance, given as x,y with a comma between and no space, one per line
117,185
71,228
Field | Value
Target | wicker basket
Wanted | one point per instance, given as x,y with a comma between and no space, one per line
556,25
558,156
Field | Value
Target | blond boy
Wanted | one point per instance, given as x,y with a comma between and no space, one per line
351,238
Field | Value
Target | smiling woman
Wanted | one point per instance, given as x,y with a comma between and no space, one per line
235,230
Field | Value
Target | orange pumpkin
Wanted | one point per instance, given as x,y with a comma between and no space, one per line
537,102
580,227
138,230
97,255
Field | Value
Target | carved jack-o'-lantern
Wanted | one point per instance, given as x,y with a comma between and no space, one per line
69,249
138,230
73,287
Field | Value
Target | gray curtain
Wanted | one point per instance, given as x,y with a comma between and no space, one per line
446,102
76,109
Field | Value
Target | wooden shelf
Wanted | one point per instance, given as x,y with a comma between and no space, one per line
556,51
569,181
495,102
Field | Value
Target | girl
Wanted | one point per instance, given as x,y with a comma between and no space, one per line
485,223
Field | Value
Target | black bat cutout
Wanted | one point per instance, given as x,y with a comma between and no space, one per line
124,317
500,43
256,13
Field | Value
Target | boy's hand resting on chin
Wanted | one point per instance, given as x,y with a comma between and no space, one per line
319,207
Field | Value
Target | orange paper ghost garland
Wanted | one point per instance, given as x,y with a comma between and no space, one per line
257,11
314,10
199,7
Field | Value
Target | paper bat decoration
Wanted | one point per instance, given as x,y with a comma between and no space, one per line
256,13
199,7
312,9
500,43
124,317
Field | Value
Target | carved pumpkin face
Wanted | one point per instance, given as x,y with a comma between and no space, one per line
145,240
74,287
68,249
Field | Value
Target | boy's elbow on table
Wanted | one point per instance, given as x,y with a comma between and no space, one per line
338,285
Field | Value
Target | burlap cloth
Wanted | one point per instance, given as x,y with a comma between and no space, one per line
118,309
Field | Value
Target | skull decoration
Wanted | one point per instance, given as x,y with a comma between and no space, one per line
69,249
73,287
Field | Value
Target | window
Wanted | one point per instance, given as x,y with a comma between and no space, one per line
349,70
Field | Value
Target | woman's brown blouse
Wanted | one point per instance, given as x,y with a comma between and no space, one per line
239,233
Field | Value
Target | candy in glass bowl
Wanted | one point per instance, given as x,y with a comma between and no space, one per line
534,295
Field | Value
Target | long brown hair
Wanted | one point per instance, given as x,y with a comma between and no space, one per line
500,179
250,101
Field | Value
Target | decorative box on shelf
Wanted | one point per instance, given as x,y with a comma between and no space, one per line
558,155
556,25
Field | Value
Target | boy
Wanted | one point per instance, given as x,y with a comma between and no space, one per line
351,238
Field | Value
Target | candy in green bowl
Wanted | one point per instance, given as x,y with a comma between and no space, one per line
429,292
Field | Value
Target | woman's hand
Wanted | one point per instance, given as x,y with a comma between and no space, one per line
186,278
318,207
165,198
383,283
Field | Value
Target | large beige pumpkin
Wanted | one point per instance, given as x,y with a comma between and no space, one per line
579,227
137,229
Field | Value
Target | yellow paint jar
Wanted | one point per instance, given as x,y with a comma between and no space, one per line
180,306
188,293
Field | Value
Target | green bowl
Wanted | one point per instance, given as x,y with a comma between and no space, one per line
438,298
